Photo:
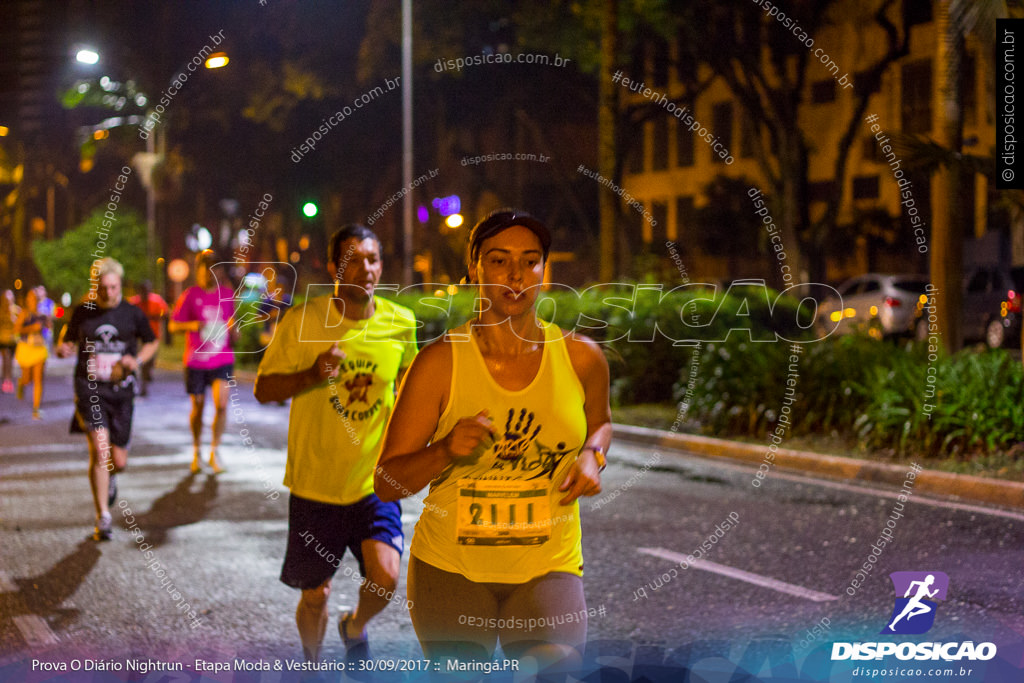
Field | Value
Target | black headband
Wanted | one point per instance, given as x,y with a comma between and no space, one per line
502,219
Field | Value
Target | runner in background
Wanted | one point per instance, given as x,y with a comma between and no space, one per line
205,312
155,308
107,333
9,312
31,351
47,308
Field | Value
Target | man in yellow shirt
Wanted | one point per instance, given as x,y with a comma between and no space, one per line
340,358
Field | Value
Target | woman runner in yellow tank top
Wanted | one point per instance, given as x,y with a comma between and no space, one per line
507,419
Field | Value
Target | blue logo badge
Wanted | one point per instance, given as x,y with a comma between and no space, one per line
917,596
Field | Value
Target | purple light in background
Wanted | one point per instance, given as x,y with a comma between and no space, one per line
446,206
422,214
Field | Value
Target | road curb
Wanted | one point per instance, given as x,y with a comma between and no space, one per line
962,486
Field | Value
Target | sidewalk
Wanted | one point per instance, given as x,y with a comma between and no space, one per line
961,486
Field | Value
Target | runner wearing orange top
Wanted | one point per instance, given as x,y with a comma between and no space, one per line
155,308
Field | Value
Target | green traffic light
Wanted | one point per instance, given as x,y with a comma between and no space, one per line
309,209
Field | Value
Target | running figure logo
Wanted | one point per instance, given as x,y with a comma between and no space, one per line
921,592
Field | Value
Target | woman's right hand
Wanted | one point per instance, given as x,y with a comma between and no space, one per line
466,437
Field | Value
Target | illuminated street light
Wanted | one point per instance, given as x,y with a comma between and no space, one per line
217,60
453,221
87,56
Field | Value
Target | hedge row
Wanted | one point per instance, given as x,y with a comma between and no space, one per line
646,332
734,380
888,397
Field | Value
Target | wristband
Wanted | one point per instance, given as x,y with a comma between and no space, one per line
599,456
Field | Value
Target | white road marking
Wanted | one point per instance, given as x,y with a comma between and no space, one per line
6,585
42,448
35,631
749,577
863,489
183,457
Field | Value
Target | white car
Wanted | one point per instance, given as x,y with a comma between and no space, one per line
878,303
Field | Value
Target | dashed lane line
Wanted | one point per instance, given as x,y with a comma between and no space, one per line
6,585
739,574
35,631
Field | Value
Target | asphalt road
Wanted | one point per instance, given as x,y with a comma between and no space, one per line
773,582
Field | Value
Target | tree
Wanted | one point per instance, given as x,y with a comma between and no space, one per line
477,108
767,68
603,37
65,262
955,20
607,145
727,228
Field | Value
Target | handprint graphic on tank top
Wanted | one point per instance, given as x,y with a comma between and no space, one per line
517,438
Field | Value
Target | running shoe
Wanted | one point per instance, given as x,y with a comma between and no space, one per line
104,529
112,490
357,648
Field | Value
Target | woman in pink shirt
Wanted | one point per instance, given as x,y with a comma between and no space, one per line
205,312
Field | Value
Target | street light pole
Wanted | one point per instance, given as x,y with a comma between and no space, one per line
215,61
150,211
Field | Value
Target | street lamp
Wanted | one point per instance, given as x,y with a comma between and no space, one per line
87,56
217,60
144,161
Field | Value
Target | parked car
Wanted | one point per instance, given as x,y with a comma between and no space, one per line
992,301
880,304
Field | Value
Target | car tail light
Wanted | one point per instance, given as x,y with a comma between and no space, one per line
892,302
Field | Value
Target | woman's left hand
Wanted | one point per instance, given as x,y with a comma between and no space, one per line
583,479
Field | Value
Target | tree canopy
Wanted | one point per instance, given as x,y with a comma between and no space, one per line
65,262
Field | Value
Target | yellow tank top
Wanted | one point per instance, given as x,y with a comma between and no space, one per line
497,518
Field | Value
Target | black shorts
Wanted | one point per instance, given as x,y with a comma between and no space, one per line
196,379
95,411
319,533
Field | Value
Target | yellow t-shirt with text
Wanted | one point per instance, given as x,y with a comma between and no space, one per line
336,428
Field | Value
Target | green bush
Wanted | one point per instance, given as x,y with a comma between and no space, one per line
248,344
976,407
643,329
851,385
876,392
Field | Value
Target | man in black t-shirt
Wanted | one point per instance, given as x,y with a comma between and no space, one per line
106,330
